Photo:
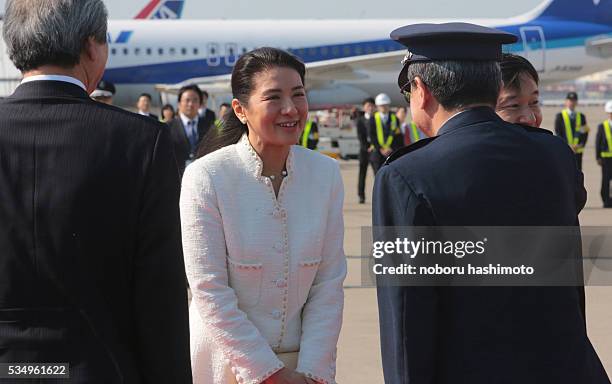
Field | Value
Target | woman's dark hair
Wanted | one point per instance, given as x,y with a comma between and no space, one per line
167,107
512,66
245,70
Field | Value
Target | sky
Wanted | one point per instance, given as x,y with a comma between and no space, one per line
330,9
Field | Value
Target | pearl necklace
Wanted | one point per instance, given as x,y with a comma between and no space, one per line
283,175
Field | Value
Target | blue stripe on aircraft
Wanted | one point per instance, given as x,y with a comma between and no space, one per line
123,37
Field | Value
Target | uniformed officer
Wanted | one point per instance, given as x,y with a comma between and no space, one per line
310,135
476,170
603,153
104,92
385,133
571,126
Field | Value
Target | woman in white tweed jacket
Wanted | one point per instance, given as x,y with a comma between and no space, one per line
262,235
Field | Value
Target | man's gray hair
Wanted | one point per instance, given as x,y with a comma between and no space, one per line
43,32
458,84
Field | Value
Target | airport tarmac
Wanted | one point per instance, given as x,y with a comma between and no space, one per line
359,358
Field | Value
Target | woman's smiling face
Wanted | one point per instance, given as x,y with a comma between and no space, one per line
277,108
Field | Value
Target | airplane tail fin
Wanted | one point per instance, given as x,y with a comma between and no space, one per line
162,9
591,11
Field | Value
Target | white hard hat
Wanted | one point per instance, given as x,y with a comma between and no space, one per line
382,99
608,107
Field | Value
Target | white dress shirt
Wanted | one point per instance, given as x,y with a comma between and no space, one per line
266,272
66,79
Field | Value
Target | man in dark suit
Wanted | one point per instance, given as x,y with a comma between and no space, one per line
91,267
385,132
207,115
188,128
365,146
476,170
144,106
571,126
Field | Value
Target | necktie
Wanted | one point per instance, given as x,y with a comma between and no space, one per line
193,136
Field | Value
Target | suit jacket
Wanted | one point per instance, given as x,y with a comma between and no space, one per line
482,171
182,148
363,133
208,118
560,128
91,268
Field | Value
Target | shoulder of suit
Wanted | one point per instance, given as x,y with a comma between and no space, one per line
128,117
535,129
411,148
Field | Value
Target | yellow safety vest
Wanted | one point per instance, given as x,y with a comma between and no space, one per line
385,144
415,132
306,134
569,132
219,124
608,153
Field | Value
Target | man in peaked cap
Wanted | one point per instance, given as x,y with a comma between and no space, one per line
476,170
104,92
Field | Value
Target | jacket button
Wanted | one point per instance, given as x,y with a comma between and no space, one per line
282,283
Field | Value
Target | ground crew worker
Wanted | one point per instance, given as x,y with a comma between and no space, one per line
310,135
222,111
571,126
385,133
603,153
411,132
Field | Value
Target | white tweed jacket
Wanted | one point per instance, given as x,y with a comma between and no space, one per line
266,273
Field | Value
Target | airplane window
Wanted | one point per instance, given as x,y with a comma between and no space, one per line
381,48
195,51
137,51
244,50
213,59
113,51
312,51
346,51
148,51
125,51
160,51
230,54
183,51
172,51
369,49
358,50
335,51
325,51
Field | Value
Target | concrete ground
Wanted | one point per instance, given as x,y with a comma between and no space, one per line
359,348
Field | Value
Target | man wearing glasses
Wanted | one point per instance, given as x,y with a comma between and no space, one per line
476,170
